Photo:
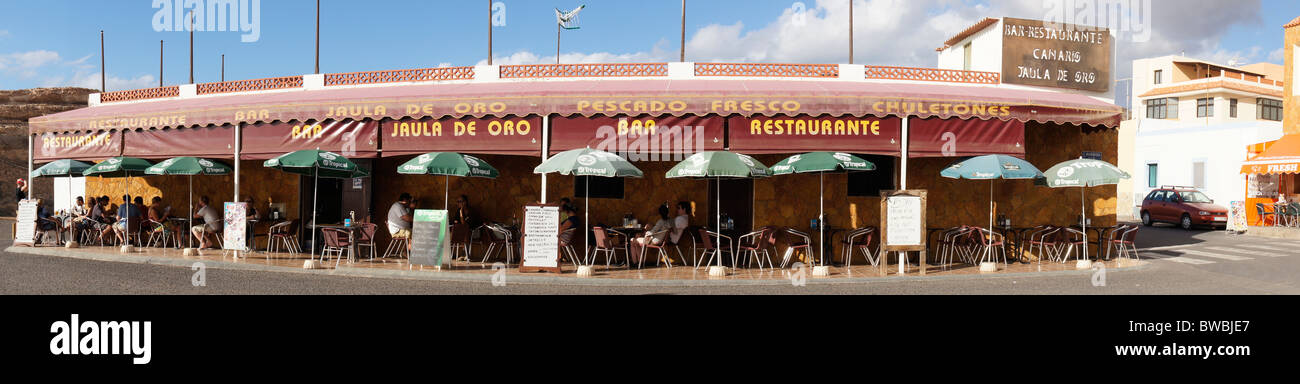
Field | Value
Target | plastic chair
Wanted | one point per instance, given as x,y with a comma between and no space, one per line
1126,243
712,250
606,245
566,245
753,243
851,240
159,234
805,246
366,237
336,242
283,235
499,239
659,249
1264,213
397,247
990,242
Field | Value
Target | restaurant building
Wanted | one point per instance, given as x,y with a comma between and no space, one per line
911,122
1271,171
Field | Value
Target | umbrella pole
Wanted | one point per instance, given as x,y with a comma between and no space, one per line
1083,220
821,218
315,189
988,243
717,245
189,223
586,215
446,193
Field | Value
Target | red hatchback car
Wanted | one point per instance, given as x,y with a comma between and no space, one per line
1183,206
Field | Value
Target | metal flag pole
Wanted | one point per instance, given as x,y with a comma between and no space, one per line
558,30
489,32
683,44
103,77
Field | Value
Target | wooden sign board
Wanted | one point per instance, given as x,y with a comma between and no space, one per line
429,243
25,226
1056,55
902,220
541,239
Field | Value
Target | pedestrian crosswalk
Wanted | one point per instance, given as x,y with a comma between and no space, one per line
1211,254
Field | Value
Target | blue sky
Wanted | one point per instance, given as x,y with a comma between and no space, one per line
56,42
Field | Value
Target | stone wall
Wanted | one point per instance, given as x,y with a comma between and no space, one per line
16,108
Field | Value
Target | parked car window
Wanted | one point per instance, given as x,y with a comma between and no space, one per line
1194,197
1158,196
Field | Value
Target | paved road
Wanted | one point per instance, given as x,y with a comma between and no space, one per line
1183,263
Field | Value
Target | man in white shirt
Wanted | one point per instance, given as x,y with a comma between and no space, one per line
211,223
680,223
400,217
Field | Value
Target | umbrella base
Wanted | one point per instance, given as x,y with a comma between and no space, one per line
190,252
821,271
72,245
988,267
586,271
312,264
1083,264
716,271
127,249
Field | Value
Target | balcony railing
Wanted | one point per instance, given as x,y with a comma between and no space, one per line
767,70
400,76
570,71
140,94
1250,78
251,85
932,74
584,70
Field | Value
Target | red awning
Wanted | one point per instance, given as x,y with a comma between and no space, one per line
642,135
746,98
781,134
489,136
957,138
352,139
208,142
84,147
1281,157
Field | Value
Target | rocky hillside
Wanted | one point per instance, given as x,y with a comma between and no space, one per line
16,107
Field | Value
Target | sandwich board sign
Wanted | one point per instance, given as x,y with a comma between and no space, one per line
25,227
235,229
541,239
429,245
903,223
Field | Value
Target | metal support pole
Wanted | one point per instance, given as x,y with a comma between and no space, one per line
546,150
902,175
317,44
103,70
160,63
683,44
239,150
489,32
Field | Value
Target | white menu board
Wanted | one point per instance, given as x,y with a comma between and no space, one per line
541,237
234,236
25,233
904,221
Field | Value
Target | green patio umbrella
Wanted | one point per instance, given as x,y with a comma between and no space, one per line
62,168
448,164
992,167
1082,174
317,164
188,166
822,163
718,166
588,163
119,167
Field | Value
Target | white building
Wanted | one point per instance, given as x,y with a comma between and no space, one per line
1192,122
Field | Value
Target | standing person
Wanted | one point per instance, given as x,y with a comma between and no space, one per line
400,217
20,191
211,223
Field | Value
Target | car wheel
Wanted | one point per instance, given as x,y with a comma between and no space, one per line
1146,219
1187,222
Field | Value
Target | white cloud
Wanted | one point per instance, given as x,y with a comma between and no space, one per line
84,79
906,32
26,61
49,69
1277,56
4,33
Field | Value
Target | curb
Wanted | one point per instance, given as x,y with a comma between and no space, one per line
519,279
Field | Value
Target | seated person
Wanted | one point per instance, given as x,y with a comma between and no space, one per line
76,216
103,217
159,213
211,226
44,220
129,217
400,217
570,222
660,232
681,223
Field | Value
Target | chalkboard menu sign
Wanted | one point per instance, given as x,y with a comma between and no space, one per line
25,232
541,239
903,219
429,238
